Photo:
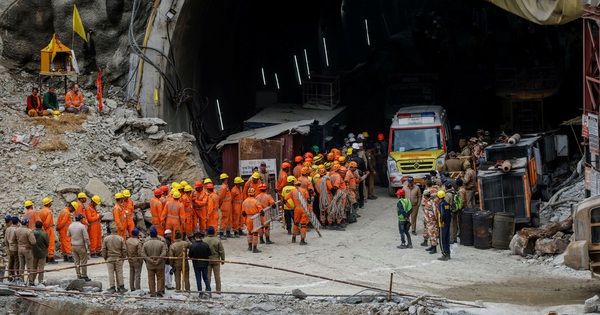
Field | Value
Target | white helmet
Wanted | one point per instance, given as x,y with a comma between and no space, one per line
457,128
360,136
355,146
351,139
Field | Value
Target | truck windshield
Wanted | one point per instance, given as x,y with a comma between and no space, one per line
422,139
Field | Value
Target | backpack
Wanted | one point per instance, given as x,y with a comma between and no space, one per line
457,202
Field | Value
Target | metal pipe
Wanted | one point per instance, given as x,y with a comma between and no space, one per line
506,166
514,139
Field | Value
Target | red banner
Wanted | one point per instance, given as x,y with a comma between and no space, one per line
99,93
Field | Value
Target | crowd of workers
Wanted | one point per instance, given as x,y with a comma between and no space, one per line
48,104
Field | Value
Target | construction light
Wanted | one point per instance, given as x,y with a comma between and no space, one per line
220,115
297,70
367,29
277,80
307,67
325,49
262,71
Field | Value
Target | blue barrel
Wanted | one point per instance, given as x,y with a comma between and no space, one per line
466,227
482,229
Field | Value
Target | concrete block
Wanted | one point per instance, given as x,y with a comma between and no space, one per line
577,256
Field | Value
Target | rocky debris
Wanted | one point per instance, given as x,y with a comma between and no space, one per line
592,305
558,207
96,187
551,245
74,285
299,294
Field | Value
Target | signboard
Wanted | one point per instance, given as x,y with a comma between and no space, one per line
584,126
594,183
593,133
246,166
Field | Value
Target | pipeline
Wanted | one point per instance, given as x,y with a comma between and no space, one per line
506,166
514,139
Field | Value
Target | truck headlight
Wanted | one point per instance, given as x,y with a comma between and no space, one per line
392,166
440,161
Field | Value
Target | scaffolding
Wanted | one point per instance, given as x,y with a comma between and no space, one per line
321,92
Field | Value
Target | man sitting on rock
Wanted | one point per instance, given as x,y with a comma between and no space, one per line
74,101
34,105
50,100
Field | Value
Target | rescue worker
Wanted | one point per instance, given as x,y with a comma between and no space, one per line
81,200
226,205
182,268
156,207
283,174
470,183
465,151
288,210
381,155
300,214
94,226
39,252
335,214
236,215
199,201
134,252
217,252
80,241
403,211
264,174
46,216
352,180
323,194
254,182
430,230
119,216
74,101
413,193
25,240
155,266
62,226
212,206
186,200
444,218
266,201
31,215
173,213
297,171
113,251
250,207
128,206
12,247
453,164
450,192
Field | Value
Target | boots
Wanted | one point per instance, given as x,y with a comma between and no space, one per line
269,240
424,243
122,289
430,248
255,250
250,246
303,242
294,239
401,246
409,245
65,259
261,240
111,290
444,257
52,261
241,232
433,251
221,236
235,234
71,259
228,234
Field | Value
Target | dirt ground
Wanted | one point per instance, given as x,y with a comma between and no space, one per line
366,253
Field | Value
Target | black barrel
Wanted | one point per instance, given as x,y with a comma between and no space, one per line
482,229
466,227
504,229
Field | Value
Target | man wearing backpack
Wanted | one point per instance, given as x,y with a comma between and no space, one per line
455,201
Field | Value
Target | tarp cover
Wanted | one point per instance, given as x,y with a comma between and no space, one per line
543,12
301,127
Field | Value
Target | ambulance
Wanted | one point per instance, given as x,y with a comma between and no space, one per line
419,137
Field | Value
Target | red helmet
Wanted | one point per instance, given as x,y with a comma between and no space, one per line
158,192
285,165
262,187
380,137
309,160
400,192
298,159
198,184
309,155
210,186
165,189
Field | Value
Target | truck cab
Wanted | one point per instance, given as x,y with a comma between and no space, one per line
419,137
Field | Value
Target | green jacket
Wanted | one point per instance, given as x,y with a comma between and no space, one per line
403,209
40,249
50,101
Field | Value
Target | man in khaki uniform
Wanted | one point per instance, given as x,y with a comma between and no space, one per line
134,249
453,164
113,248
177,249
80,244
413,193
11,245
470,183
25,240
154,247
217,252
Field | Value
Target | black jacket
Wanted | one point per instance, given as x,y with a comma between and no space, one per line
199,249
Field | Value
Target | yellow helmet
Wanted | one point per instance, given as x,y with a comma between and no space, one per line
291,179
28,203
441,194
256,175
75,205
223,176
365,134
96,199
81,195
176,186
56,113
126,193
238,180
183,183
118,196
187,188
207,180
342,159
349,152
176,194
46,201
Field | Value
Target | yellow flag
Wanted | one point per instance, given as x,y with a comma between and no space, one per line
77,25
52,47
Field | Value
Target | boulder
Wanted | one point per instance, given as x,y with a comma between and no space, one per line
592,305
152,130
108,217
181,137
299,294
551,245
96,187
157,136
144,123
68,188
70,197
120,163
132,152
577,256
73,285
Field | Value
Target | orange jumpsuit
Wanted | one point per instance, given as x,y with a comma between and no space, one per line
188,226
300,217
352,181
237,222
251,206
32,216
121,220
199,201
128,207
156,207
212,209
265,200
226,208
251,183
48,226
337,181
282,181
94,228
62,225
81,210
173,216
297,171
323,186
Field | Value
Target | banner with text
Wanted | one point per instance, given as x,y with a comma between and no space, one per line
246,166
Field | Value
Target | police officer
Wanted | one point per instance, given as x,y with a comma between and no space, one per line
444,219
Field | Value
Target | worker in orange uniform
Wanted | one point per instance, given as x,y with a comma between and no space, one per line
128,206
297,171
306,182
188,209
173,213
94,226
31,215
212,206
266,201
156,207
199,200
337,183
165,193
283,174
300,216
226,204
81,200
47,219
323,193
237,223
74,101
119,216
253,182
62,226
250,207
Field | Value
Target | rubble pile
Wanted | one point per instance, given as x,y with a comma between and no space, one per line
558,207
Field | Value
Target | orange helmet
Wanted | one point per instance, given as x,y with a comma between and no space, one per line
336,151
165,189
352,164
251,191
343,169
297,183
262,187
342,159
380,137
330,156
308,160
305,170
285,165
158,192
306,164
335,167
298,159
210,186
198,184
336,157
309,155
322,171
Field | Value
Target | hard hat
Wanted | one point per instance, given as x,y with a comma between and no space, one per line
176,186
467,164
309,155
56,113
285,165
350,135
223,176
355,146
298,159
167,231
365,134
335,167
183,183
251,191
330,156
297,183
314,167
441,194
46,201
118,196
360,136
343,169
174,183
176,194
352,164
291,179
262,187
210,186
400,192
126,193
96,199
315,148
351,139
81,195
256,175
164,189
308,160
306,164
28,203
380,137
342,159
457,128
198,184
349,151
322,171
75,205
317,176
173,191
317,158
305,171
207,180
238,180
188,188
327,164
158,192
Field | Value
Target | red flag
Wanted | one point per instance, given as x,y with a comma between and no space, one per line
99,93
